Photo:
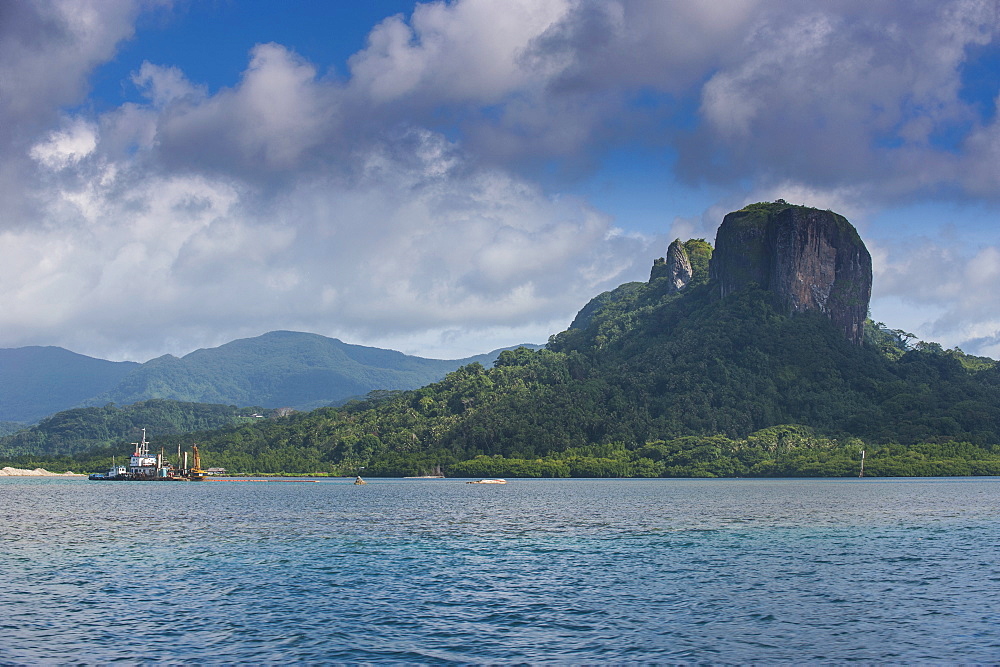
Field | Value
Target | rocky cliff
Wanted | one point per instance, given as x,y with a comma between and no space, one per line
811,260
676,267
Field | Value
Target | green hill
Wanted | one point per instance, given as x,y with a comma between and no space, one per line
72,431
680,384
677,377
277,369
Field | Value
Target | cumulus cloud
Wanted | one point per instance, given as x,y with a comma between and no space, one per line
415,240
827,96
467,52
941,288
267,124
843,94
47,50
413,197
65,147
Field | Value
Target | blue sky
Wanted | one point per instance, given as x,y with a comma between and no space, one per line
444,178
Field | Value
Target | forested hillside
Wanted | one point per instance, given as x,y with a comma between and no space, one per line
675,385
81,429
275,370
656,379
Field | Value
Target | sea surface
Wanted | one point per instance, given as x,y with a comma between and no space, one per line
534,571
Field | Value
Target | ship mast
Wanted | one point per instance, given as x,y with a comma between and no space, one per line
142,447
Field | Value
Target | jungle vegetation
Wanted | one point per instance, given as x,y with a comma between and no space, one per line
647,382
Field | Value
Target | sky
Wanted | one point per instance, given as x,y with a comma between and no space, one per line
447,178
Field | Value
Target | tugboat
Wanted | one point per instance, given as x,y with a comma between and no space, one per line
144,467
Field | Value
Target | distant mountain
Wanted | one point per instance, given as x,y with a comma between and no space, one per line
276,369
279,369
38,381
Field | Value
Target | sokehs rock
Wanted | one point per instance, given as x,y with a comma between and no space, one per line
811,260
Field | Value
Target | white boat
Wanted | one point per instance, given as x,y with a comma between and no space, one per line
488,481
437,474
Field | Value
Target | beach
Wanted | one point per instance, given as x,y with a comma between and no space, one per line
37,472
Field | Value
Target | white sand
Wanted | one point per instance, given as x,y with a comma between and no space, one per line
37,472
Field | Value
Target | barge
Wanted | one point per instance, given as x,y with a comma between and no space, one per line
145,467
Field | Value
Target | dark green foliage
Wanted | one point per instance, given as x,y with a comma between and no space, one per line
86,428
699,254
890,343
6,428
654,382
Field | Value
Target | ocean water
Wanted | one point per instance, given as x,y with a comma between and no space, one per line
535,571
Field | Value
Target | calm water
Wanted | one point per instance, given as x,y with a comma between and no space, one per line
567,571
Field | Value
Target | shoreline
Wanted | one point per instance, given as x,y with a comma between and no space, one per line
37,472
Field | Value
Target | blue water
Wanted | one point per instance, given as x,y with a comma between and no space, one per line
539,571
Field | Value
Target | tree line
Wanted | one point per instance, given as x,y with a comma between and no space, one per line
647,382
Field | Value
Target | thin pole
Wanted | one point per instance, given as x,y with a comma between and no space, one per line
862,464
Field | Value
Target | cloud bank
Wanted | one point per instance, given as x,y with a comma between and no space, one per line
419,198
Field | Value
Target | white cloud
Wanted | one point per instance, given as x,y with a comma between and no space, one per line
164,85
846,94
49,47
417,239
269,122
409,200
983,149
468,51
68,146
940,289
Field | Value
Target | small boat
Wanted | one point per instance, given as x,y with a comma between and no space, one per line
116,473
437,474
359,481
488,481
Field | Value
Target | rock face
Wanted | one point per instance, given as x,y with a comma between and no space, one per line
811,260
677,267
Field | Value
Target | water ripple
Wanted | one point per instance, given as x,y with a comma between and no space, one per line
537,571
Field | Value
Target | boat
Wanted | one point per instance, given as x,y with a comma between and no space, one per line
145,467
116,472
437,474
488,481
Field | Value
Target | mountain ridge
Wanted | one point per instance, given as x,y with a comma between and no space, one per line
276,369
36,381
